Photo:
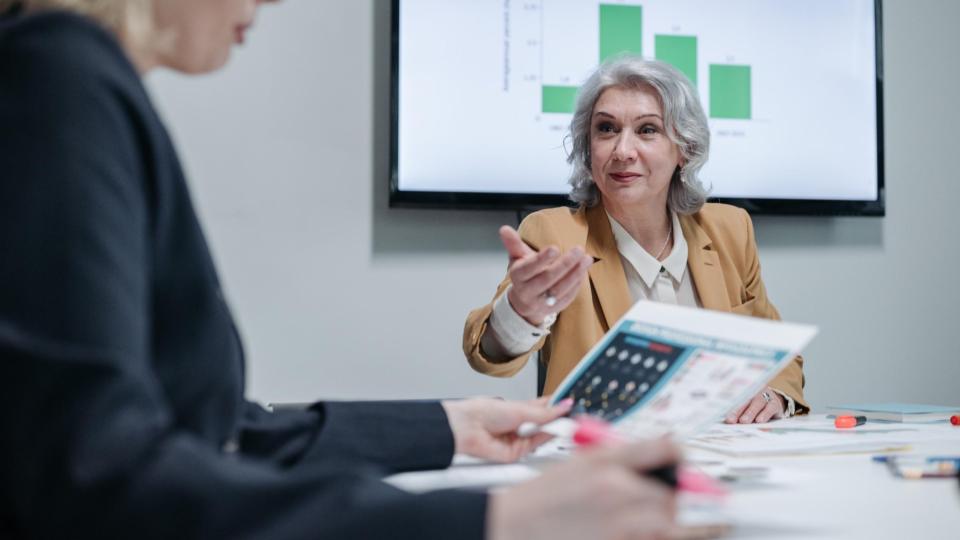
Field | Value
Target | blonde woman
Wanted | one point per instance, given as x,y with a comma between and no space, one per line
121,373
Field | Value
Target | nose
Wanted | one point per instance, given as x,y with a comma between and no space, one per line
626,148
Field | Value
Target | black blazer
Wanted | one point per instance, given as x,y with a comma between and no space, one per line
122,403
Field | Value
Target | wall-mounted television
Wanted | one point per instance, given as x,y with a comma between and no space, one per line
483,92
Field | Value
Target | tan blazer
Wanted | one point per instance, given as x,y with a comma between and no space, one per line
722,260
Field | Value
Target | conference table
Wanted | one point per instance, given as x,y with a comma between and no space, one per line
840,493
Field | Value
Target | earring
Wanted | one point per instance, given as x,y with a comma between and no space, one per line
678,175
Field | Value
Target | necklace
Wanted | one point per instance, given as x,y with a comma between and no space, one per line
669,236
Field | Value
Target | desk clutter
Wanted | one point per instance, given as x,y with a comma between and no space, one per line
898,412
817,434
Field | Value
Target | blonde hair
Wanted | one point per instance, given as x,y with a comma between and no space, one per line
130,20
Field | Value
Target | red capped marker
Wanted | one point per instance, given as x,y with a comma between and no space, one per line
955,419
847,421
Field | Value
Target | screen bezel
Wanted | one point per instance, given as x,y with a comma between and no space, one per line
531,201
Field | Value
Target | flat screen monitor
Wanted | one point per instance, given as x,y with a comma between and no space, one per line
483,93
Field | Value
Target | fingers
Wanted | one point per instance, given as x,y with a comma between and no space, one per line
531,265
773,409
734,416
567,288
537,275
642,456
542,400
769,411
550,276
647,522
515,246
756,405
538,411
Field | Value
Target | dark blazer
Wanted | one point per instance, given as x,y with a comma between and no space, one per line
121,372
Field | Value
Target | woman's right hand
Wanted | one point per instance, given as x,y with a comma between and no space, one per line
599,493
539,276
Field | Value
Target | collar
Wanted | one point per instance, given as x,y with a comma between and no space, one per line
644,263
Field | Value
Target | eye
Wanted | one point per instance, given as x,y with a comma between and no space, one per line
605,127
648,129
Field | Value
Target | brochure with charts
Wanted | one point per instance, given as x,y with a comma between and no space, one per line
670,369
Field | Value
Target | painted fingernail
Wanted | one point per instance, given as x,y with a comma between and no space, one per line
566,402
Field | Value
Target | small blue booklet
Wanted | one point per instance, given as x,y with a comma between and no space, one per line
896,412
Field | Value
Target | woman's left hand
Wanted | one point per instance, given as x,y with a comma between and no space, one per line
765,406
487,428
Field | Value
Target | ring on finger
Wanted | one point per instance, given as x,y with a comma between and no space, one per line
766,396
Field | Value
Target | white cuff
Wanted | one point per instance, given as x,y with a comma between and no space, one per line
790,406
510,334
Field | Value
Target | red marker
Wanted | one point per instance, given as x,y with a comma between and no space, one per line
955,419
846,421
593,431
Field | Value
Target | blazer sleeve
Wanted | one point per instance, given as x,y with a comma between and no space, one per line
396,436
91,448
791,380
531,231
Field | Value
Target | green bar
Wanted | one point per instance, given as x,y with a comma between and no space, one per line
729,91
559,99
680,52
620,29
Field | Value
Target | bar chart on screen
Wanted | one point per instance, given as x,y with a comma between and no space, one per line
764,72
619,29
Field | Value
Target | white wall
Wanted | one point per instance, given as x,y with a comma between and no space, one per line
339,296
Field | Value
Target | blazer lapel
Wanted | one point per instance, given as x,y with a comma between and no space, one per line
704,266
606,274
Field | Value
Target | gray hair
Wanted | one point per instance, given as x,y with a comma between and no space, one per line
684,122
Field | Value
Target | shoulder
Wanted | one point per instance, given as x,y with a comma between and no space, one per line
721,214
56,35
57,55
65,74
73,112
560,226
723,222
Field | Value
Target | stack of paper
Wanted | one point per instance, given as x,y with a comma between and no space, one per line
817,435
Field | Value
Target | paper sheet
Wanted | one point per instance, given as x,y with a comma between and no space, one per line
671,369
799,436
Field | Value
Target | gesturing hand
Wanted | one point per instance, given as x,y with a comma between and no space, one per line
543,282
487,428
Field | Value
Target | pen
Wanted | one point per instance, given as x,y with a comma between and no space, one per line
846,421
590,431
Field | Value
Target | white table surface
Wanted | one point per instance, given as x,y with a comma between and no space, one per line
829,496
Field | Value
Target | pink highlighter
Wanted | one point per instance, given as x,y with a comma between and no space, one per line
592,431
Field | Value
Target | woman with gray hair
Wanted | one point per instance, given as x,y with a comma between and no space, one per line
642,231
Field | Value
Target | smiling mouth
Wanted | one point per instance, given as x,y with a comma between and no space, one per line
624,177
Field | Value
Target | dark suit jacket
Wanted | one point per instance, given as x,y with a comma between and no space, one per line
122,403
